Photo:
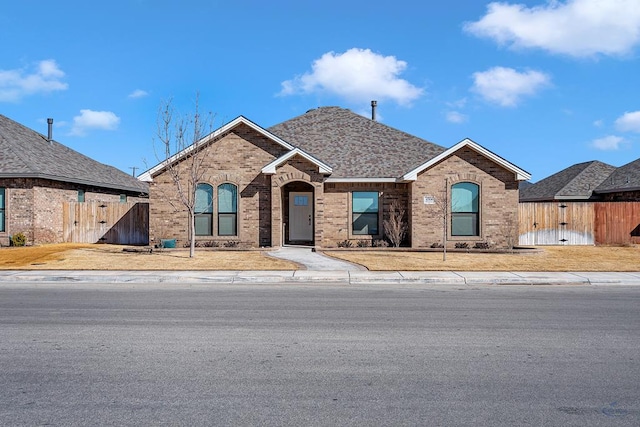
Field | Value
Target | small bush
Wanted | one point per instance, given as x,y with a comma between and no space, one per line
380,243
345,244
211,244
481,245
231,244
462,245
18,239
363,243
437,245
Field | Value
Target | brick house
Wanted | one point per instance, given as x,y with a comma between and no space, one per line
38,174
331,175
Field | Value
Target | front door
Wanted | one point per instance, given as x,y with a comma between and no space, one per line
301,216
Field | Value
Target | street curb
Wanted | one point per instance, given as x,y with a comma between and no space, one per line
332,277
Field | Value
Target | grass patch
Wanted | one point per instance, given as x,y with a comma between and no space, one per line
112,257
548,258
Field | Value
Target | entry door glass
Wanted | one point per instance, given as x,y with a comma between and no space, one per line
300,216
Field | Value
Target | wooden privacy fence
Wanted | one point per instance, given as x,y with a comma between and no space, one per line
579,223
617,223
100,222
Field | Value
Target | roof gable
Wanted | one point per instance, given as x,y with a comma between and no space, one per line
576,182
25,153
240,120
270,169
520,174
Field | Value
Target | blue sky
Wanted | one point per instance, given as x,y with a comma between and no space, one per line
544,84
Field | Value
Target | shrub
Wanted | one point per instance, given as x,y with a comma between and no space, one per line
462,245
345,244
437,245
231,244
396,227
363,243
481,245
211,244
380,243
18,239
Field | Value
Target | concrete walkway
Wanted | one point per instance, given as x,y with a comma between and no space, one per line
312,260
39,278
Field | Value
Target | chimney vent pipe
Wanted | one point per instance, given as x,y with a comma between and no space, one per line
50,130
374,104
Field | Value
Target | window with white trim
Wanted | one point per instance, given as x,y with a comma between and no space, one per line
465,209
364,212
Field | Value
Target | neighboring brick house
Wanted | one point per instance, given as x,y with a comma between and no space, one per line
622,185
575,183
330,176
38,174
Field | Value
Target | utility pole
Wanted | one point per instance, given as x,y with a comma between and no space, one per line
133,168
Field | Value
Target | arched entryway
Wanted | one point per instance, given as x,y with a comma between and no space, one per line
298,213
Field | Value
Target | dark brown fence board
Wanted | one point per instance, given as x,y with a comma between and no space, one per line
617,223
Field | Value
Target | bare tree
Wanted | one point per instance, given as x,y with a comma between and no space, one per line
395,227
442,206
182,135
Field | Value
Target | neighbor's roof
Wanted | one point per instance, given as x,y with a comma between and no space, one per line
355,146
624,178
576,182
25,153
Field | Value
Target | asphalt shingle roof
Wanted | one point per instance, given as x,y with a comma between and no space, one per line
624,178
355,146
575,182
26,153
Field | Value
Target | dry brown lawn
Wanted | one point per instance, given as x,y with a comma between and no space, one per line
548,258
112,257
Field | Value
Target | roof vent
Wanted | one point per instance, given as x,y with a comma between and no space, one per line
50,129
374,104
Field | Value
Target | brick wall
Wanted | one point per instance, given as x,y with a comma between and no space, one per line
237,158
498,201
34,207
337,210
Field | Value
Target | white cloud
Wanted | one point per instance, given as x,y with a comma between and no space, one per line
88,119
598,123
574,27
608,143
358,75
506,86
629,122
138,93
456,117
45,78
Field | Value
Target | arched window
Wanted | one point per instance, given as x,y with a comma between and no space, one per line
227,210
465,209
204,210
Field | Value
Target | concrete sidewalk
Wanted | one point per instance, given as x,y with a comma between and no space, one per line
344,277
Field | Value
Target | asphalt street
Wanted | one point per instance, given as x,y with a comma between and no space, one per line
319,354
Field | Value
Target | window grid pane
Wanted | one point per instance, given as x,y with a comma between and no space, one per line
204,198
203,224
227,225
227,198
